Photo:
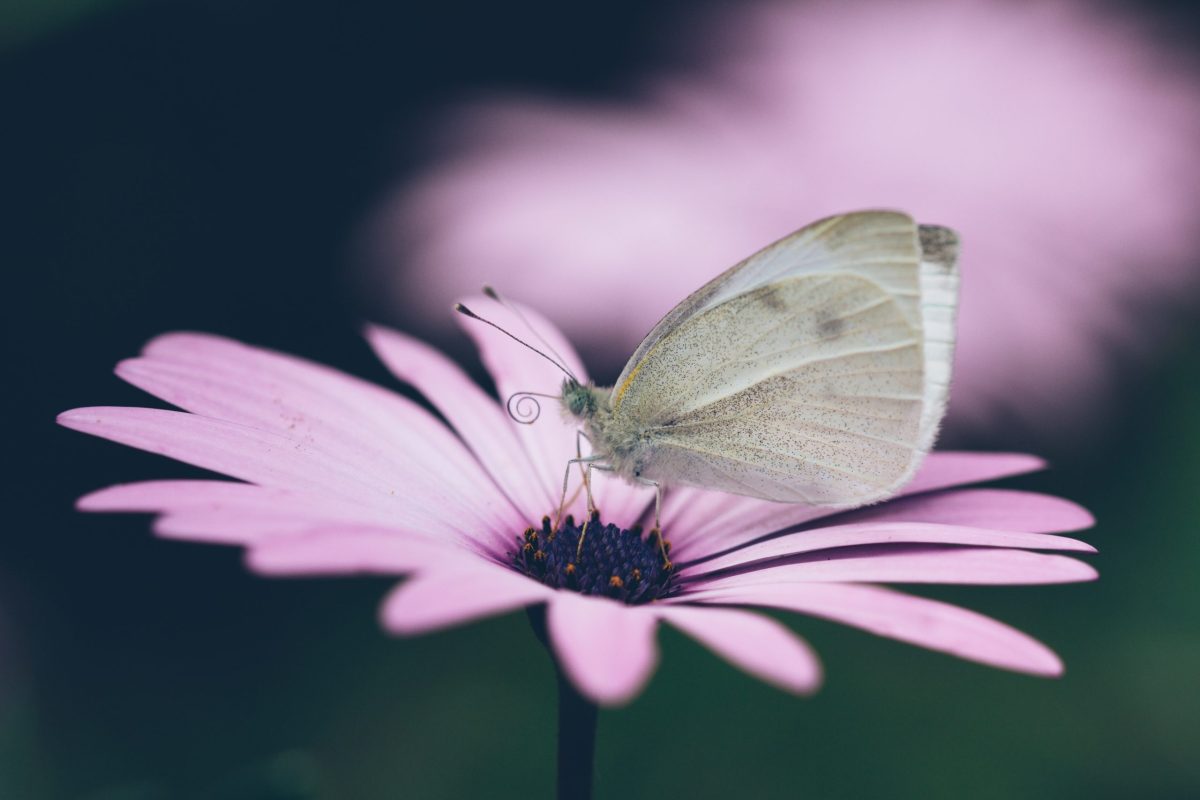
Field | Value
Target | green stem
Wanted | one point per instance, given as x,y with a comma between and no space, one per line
576,742
577,718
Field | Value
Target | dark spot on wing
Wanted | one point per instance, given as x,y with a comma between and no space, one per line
938,245
829,325
769,297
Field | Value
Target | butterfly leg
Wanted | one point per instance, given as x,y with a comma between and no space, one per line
586,472
585,467
562,503
658,494
580,460
593,512
591,505
656,532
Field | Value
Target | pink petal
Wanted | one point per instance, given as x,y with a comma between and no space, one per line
926,623
224,527
224,512
1002,509
688,511
760,646
619,502
414,497
201,495
237,450
361,427
156,496
883,533
482,424
458,594
346,550
698,522
256,529
218,377
551,440
606,648
942,470
919,565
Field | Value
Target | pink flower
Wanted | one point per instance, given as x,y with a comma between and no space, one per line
1059,139
340,476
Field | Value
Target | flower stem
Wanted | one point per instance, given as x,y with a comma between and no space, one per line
576,741
576,726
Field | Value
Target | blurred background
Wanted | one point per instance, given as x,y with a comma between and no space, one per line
281,172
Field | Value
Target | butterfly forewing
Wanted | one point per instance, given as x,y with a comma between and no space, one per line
804,373
938,278
879,245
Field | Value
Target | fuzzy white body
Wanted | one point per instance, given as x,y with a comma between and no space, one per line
622,445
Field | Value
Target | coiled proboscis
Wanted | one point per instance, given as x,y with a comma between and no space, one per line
519,409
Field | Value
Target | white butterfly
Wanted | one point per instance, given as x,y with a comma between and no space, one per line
816,371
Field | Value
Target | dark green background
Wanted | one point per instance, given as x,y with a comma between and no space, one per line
204,165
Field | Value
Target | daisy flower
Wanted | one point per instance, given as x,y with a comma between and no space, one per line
1057,138
335,475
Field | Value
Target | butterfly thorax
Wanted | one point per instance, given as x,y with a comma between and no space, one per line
618,445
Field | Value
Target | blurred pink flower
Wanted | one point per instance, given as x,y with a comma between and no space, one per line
1059,139
342,476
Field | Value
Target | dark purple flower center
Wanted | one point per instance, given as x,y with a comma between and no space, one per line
615,562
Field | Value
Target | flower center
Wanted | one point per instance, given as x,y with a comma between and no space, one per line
614,562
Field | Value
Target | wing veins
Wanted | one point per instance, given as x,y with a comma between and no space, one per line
807,343
768,468
835,429
791,316
866,372
676,426
747,487
785,373
810,362
850,412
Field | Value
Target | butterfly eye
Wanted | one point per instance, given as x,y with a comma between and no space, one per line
578,399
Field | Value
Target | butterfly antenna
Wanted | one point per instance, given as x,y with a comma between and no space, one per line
562,362
466,312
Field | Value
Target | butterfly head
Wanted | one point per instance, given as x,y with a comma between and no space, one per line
578,399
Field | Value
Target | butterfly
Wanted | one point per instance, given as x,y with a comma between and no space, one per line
815,371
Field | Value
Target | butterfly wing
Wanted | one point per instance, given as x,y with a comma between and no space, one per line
938,281
815,371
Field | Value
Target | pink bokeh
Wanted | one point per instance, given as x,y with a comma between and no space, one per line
1059,139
